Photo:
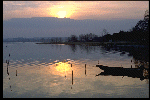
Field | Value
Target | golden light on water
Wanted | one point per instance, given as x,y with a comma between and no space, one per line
62,67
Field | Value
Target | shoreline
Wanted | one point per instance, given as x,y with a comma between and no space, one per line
108,44
74,43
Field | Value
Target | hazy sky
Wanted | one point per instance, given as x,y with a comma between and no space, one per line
111,15
75,9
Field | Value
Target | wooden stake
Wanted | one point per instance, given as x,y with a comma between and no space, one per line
72,77
16,72
85,69
8,62
7,70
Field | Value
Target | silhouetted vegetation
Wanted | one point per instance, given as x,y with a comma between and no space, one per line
138,34
73,38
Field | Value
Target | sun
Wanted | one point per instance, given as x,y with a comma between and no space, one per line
61,11
61,14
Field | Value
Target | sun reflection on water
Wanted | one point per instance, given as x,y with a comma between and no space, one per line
62,67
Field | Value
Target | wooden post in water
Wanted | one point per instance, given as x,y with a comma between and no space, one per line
85,69
72,77
8,62
16,72
7,70
131,63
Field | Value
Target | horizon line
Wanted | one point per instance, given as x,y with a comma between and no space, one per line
71,19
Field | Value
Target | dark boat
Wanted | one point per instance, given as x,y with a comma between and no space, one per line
120,71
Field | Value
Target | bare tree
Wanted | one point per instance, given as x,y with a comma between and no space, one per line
104,32
146,15
73,38
60,39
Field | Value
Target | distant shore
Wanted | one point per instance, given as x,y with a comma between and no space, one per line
92,43
75,43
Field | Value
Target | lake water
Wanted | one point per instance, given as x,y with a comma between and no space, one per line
44,70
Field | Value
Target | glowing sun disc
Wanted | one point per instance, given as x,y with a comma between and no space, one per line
61,14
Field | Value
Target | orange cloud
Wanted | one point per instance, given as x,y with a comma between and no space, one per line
76,9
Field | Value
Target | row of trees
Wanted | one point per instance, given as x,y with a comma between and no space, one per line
82,38
138,34
51,40
87,37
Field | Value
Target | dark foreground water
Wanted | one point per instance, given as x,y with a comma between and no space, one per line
44,70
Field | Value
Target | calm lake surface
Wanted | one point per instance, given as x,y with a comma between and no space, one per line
44,70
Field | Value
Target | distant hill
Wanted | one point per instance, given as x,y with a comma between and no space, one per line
35,39
61,27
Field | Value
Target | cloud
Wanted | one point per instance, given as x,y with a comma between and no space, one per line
76,9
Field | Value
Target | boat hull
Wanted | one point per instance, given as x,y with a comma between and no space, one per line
120,71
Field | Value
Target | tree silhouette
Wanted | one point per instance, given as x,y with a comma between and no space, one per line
143,25
73,38
104,32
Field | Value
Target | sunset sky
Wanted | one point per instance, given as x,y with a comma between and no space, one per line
111,15
100,10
